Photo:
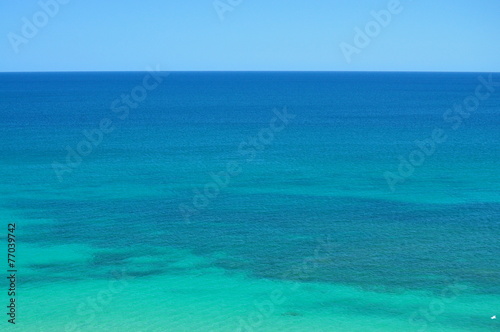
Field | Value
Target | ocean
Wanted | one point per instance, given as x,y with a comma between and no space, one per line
251,201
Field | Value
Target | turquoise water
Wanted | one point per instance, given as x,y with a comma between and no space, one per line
306,235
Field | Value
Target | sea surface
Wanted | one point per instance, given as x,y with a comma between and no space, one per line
251,201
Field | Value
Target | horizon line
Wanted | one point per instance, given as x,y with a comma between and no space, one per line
242,71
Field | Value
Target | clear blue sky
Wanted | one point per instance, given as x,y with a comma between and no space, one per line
97,35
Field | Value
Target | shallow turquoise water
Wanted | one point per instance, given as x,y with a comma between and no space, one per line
307,237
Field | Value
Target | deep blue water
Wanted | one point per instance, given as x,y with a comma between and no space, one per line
321,176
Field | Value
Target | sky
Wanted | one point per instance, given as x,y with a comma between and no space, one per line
253,35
